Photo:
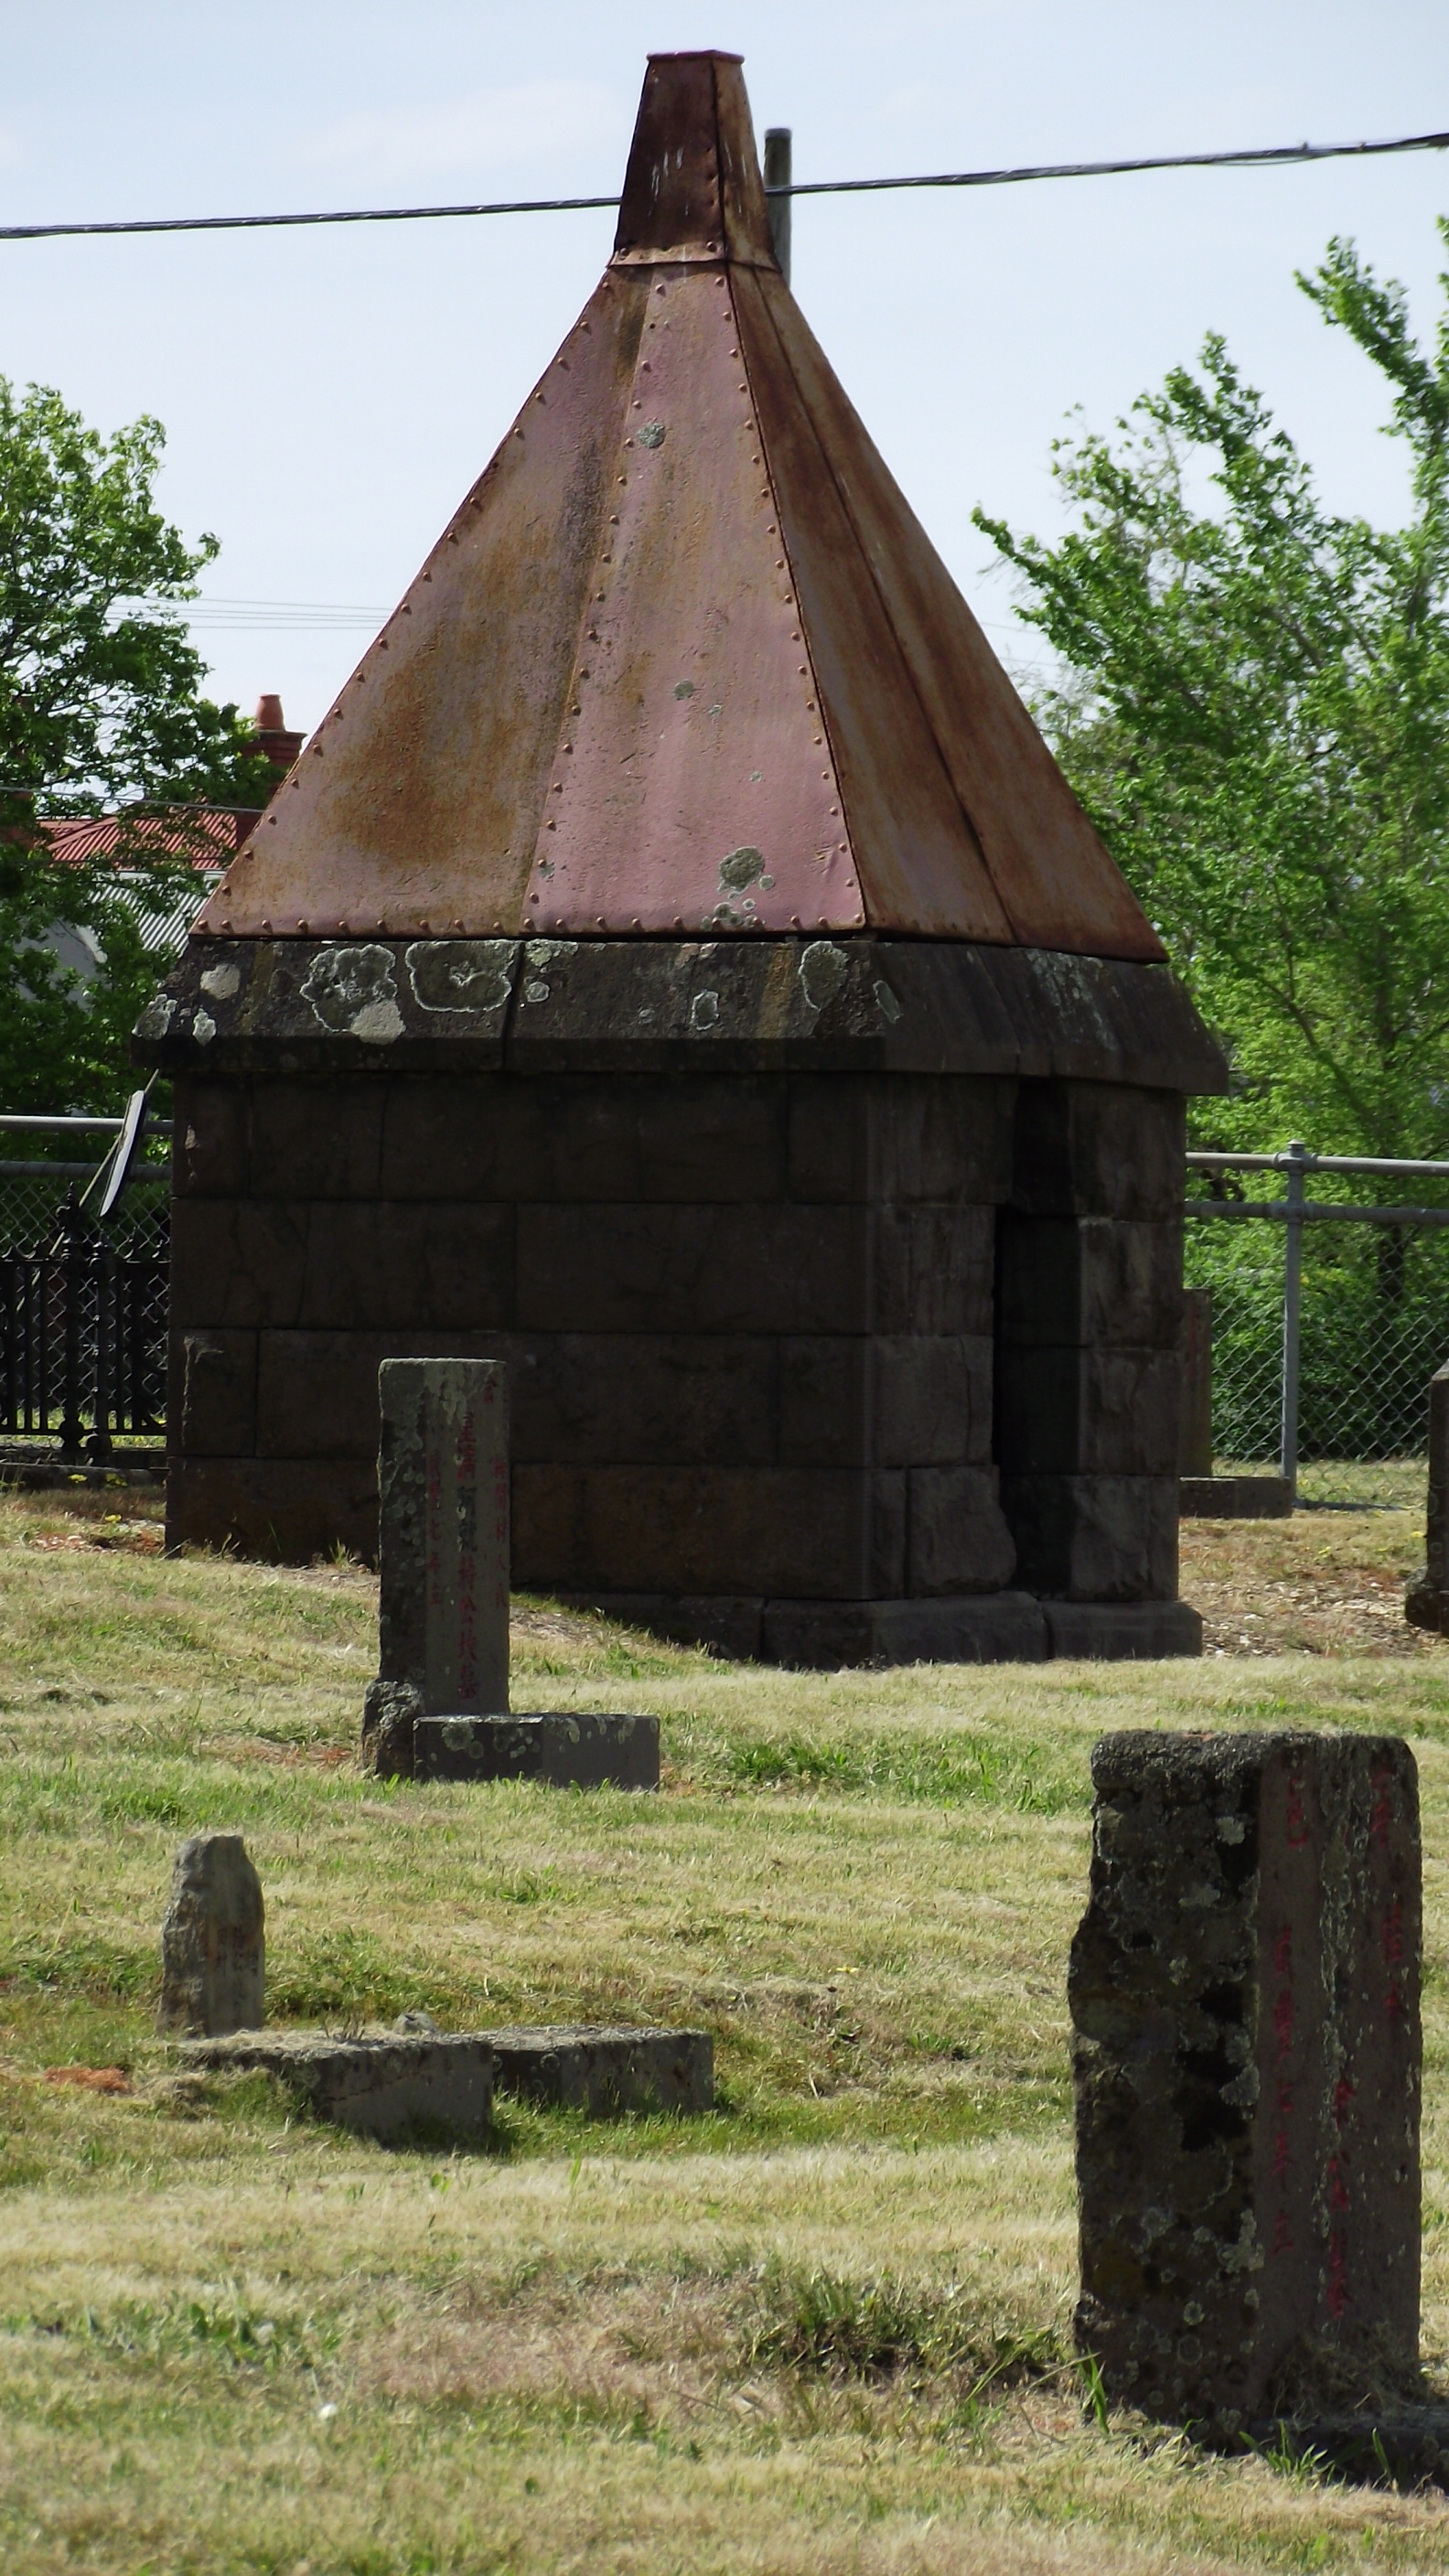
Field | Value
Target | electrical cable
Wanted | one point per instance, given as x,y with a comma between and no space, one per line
1270,156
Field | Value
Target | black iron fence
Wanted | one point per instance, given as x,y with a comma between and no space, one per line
83,1298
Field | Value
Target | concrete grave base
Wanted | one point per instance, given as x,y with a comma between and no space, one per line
565,1750
389,2084
385,2084
604,2072
1122,1631
1235,1498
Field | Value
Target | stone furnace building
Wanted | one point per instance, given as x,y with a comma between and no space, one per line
677,966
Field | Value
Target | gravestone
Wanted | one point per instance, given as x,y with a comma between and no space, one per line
439,1707
1244,1995
212,1946
443,1562
1427,1605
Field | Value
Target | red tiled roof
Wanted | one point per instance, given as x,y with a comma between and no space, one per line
209,836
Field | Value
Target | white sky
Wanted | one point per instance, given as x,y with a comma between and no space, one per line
329,396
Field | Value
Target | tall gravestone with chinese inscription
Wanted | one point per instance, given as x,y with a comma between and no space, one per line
439,1706
1245,2004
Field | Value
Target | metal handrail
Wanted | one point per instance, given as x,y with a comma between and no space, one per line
1294,1160
57,1125
40,1170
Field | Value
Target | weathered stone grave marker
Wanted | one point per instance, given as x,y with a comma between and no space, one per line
439,1707
212,1944
1245,2005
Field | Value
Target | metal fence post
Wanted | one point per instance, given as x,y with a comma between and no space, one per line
1295,1162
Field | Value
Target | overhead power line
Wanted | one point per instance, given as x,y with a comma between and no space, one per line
1276,155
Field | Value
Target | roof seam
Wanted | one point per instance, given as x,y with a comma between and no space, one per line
768,470
863,550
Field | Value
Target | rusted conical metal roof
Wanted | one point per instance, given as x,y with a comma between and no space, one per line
684,660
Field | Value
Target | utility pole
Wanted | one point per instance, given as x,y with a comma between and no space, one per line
777,175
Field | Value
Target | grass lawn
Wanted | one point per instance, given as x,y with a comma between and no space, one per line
826,2327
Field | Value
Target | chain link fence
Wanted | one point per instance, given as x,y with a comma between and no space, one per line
1371,1323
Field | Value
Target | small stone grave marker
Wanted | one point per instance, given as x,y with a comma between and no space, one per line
212,1944
439,1707
1244,1995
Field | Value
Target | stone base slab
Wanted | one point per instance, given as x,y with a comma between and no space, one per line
565,1750
386,2085
971,1628
975,1628
395,2084
1234,1498
603,2071
1122,1631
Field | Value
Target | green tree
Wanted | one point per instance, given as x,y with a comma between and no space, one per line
101,710
1254,707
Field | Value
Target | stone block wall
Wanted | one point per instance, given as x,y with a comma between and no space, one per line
774,1339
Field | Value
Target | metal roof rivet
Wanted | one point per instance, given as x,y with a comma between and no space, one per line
794,921
823,773
599,918
457,925
266,925
636,923
303,928
779,563
552,824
